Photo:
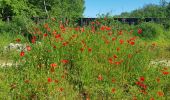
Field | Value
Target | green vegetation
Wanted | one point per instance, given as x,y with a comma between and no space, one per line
106,60
76,63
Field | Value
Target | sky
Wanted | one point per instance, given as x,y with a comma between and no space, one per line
115,7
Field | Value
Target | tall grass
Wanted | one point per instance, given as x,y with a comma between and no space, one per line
86,63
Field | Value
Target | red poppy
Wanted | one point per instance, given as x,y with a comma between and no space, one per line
61,89
22,53
138,83
54,47
63,76
110,60
45,34
46,25
120,32
33,40
139,31
113,90
143,86
28,48
165,72
18,40
151,99
48,29
121,41
64,61
89,49
100,78
160,93
108,28
82,29
115,56
110,33
142,79
53,65
54,32
113,80
118,63
158,80
49,80
65,43
118,49
132,43
129,55
57,36
102,28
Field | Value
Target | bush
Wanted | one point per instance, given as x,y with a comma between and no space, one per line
18,24
150,30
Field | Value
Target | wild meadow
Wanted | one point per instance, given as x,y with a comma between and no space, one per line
96,62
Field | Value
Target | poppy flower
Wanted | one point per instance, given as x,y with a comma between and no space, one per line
18,40
64,61
113,80
160,93
33,40
48,29
102,28
108,28
132,43
49,80
54,47
110,60
53,65
61,89
115,56
158,80
121,41
28,48
151,99
45,35
65,43
118,49
139,31
46,25
89,49
82,29
100,78
142,79
113,90
22,53
57,36
165,73
113,39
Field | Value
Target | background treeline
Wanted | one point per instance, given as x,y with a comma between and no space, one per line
150,10
18,14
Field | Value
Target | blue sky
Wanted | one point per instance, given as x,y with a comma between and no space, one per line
115,7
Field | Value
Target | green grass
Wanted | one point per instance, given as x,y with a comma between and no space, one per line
88,65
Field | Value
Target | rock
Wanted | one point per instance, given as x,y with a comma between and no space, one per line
161,62
13,46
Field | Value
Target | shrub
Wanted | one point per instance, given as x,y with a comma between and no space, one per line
150,30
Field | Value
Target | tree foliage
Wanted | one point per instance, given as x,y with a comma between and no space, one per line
150,10
64,8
